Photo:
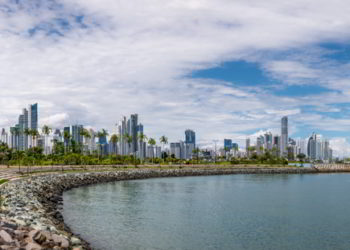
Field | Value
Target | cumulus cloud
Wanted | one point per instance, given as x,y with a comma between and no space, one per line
90,62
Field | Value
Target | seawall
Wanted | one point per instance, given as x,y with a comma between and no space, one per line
31,218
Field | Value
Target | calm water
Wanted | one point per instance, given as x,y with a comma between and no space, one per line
214,212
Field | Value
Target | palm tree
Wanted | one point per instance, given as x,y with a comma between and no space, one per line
163,140
143,138
152,142
35,134
114,140
85,134
196,152
46,130
67,137
19,156
27,132
128,139
101,134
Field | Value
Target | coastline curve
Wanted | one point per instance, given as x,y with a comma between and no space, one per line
33,205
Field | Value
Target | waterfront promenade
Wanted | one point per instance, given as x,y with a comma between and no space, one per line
15,172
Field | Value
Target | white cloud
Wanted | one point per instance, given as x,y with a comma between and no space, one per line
126,57
340,146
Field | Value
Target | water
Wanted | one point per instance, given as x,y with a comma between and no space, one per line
214,212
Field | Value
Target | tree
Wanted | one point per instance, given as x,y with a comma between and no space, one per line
27,132
152,142
67,137
101,134
163,140
34,135
46,130
85,134
142,138
226,149
128,139
301,158
114,140
196,152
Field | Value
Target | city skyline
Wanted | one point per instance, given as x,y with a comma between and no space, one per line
314,147
87,64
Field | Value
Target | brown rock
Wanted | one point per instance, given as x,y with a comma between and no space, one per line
39,238
60,240
33,246
33,233
5,236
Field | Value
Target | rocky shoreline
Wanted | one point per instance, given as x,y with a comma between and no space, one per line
30,215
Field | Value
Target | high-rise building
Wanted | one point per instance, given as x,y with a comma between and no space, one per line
76,131
190,137
311,147
326,150
132,128
284,136
14,137
175,150
122,130
276,145
32,122
268,141
4,136
259,145
23,126
27,120
133,131
66,130
228,144
247,147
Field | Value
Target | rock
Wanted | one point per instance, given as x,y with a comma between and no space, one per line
33,246
37,236
77,248
60,240
5,236
75,241
9,225
33,233
5,247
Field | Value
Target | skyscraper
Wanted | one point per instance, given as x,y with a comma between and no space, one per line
311,147
32,122
228,144
33,116
190,137
133,129
4,136
247,146
23,126
76,133
284,136
14,137
268,141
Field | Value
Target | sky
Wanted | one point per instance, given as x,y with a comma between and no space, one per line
226,69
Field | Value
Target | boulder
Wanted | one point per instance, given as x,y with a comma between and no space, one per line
33,246
60,240
5,236
75,241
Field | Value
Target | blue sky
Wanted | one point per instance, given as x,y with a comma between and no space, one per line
227,69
